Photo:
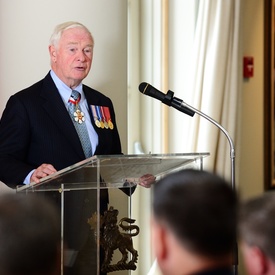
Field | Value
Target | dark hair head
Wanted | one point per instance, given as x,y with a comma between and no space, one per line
257,223
29,235
200,208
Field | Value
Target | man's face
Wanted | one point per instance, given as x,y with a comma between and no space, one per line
71,59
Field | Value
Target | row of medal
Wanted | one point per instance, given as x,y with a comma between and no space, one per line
102,117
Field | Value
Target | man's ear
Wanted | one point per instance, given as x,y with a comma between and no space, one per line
262,260
52,52
159,240
255,260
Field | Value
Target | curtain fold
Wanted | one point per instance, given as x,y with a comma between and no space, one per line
216,83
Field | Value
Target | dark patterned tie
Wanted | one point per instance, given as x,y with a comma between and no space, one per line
78,121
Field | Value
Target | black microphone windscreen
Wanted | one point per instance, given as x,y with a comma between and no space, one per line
142,87
149,90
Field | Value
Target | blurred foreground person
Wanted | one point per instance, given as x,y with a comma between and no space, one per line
29,236
194,223
257,234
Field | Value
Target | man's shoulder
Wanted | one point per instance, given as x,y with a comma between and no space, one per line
95,96
37,87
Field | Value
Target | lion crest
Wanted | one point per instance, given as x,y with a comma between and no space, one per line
111,239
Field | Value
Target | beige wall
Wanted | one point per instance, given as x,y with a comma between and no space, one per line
250,153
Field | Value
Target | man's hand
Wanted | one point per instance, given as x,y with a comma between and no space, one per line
147,180
42,171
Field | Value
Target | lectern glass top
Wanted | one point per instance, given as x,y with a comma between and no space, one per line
114,171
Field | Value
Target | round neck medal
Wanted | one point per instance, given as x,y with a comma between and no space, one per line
79,116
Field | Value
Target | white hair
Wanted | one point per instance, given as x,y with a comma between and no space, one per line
59,29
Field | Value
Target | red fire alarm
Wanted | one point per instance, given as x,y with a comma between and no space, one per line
248,66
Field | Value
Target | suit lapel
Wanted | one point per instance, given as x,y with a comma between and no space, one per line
55,108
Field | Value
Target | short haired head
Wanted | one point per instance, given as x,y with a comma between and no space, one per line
257,223
200,209
29,235
59,29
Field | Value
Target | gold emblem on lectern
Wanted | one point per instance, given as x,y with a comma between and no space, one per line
112,239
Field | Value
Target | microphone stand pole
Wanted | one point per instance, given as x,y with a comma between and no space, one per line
232,157
232,150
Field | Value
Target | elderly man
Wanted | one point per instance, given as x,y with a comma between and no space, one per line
57,122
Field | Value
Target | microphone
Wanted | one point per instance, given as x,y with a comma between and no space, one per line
167,99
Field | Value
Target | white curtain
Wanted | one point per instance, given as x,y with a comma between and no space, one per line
203,69
215,79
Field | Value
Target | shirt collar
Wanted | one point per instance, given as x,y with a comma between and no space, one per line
64,90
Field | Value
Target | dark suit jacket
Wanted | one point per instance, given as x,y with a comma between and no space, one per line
36,128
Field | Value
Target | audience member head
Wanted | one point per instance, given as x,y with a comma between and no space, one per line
194,222
29,236
257,233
